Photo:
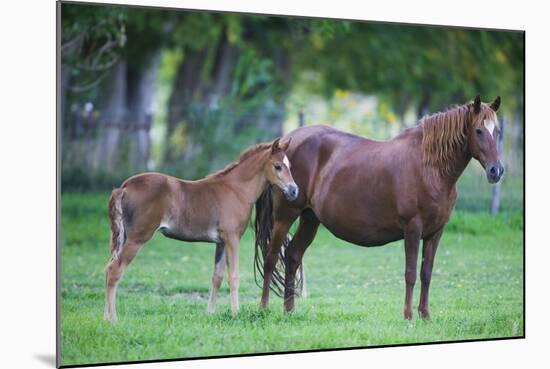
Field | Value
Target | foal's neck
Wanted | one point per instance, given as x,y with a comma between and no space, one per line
248,178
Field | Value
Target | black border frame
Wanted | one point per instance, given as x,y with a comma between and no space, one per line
58,187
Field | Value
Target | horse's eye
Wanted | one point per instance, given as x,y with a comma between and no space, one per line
277,167
479,131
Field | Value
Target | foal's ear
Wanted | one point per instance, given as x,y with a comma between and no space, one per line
275,146
477,104
495,104
285,144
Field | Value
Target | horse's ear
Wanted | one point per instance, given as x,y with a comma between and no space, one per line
275,146
477,104
285,144
495,104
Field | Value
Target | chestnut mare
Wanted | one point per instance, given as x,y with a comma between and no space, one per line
371,193
213,209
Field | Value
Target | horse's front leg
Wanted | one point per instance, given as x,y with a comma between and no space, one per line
428,255
413,231
217,277
232,251
300,242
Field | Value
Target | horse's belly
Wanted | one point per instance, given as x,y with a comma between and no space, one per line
190,236
365,235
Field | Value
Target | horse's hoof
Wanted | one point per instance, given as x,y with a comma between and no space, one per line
424,315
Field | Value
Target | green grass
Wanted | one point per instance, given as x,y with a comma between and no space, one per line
355,294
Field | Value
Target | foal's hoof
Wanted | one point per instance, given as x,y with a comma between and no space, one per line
110,319
407,315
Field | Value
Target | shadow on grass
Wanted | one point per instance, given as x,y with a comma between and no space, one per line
48,359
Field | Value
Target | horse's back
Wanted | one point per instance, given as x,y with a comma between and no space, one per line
359,188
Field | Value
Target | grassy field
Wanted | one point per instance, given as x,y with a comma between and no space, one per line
355,294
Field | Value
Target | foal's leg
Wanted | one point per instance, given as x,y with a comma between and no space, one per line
305,234
232,251
412,240
428,255
280,230
217,277
113,273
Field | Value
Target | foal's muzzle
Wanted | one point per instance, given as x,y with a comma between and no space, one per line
494,172
291,192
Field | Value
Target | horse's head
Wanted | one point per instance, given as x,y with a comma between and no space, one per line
278,170
483,137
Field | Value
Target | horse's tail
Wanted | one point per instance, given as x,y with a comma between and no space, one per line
118,234
263,225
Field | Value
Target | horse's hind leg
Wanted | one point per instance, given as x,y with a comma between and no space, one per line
428,255
217,277
307,228
280,230
113,273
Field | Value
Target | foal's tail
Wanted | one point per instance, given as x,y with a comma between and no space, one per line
263,225
118,234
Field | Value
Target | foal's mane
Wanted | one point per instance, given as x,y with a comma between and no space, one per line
251,151
444,133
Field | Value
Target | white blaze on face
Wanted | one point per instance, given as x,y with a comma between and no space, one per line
490,125
286,162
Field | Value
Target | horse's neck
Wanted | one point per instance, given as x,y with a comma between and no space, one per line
457,166
248,178
458,163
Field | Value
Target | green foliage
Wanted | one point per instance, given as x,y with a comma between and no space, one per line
413,63
355,293
475,193
282,63
92,41
212,138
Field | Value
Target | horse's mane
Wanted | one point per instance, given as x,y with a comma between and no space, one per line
251,151
444,133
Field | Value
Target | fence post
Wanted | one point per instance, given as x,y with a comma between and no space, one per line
495,201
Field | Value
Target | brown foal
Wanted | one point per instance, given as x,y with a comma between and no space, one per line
371,192
214,209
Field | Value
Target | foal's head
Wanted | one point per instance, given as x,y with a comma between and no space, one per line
277,170
483,136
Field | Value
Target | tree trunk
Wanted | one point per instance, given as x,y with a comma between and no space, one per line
283,67
141,95
64,88
402,108
187,81
225,61
113,116
424,106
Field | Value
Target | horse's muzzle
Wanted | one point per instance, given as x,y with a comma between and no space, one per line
495,172
291,192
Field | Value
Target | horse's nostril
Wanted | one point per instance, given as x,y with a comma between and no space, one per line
293,191
493,170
